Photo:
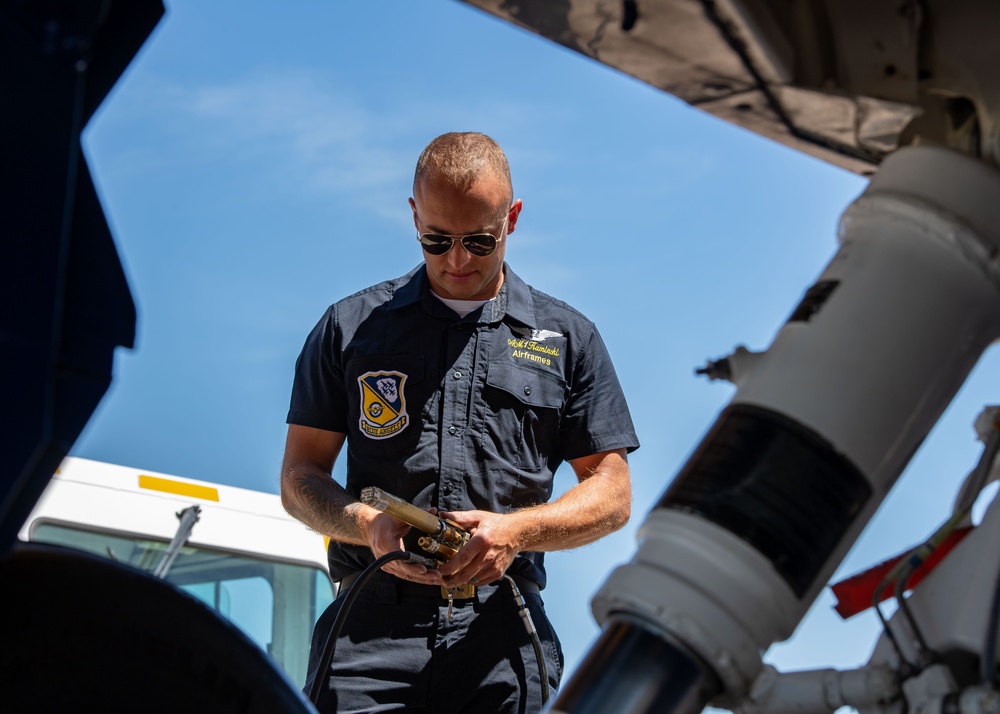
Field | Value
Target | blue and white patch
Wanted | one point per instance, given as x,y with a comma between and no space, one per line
383,404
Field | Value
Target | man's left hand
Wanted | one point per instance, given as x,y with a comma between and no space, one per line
487,554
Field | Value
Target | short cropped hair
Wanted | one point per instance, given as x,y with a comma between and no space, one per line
461,158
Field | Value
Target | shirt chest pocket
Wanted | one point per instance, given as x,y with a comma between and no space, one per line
522,410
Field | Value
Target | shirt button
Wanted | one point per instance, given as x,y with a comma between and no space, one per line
457,375
452,430
447,488
527,391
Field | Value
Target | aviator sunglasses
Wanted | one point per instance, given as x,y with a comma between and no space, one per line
481,244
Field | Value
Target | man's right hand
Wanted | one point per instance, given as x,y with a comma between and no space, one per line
384,534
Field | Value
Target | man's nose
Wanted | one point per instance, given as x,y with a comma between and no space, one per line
458,255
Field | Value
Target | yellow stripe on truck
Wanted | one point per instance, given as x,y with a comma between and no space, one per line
155,483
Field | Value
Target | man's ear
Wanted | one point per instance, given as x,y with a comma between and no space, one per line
413,207
515,211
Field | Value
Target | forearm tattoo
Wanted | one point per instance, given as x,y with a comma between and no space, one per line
327,507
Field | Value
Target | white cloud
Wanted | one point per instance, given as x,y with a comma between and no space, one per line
320,132
293,129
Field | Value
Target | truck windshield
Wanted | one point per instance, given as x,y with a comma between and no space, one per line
275,603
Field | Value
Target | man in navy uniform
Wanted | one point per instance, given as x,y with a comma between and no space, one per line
460,388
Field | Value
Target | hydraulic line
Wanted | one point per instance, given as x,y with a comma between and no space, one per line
905,568
522,610
901,574
330,646
338,624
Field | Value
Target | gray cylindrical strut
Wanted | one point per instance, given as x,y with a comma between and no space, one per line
765,509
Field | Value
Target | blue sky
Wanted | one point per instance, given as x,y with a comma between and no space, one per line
254,163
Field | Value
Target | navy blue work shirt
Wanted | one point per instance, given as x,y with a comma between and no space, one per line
458,413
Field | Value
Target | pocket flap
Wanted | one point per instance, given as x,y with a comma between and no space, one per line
530,386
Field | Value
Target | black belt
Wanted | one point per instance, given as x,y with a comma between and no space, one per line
427,592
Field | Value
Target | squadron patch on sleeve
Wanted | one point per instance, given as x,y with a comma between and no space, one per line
383,405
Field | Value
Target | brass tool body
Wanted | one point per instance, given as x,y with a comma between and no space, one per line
443,538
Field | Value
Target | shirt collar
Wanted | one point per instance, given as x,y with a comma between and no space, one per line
409,288
513,300
517,302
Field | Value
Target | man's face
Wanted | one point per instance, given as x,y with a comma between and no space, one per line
441,208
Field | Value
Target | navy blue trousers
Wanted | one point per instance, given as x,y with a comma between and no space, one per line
401,652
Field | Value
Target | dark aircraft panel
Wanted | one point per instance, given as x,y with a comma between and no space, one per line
68,304
847,81
82,633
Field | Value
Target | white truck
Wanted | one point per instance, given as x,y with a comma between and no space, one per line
234,549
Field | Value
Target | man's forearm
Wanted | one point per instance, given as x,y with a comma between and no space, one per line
574,520
600,504
313,497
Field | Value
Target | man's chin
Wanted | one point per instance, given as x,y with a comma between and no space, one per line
461,289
